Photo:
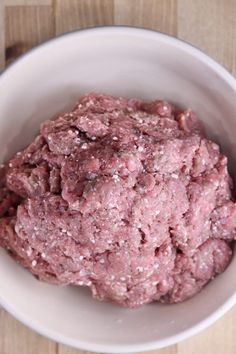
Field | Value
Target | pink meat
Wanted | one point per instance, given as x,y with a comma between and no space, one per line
124,196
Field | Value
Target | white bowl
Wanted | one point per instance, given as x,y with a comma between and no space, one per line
128,62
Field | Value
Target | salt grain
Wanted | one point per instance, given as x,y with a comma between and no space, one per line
140,269
165,108
175,176
116,178
140,148
29,252
82,273
84,146
154,283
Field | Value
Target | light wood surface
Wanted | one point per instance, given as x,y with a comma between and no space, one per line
208,24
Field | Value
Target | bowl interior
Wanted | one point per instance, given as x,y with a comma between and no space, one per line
127,62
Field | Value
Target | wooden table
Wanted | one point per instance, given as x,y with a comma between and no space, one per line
208,24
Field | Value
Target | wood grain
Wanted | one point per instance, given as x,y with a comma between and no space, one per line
73,14
2,35
28,2
63,349
154,14
218,339
208,24
25,27
17,339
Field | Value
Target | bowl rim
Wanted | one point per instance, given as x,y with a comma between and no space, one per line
201,325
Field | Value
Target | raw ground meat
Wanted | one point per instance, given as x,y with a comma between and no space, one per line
124,196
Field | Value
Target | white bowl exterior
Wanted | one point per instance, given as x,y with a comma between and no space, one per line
127,62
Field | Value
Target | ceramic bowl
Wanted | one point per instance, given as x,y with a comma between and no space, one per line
128,62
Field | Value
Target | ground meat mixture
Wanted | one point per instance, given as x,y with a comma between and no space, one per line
121,195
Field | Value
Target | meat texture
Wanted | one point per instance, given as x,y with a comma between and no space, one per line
124,196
